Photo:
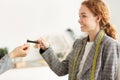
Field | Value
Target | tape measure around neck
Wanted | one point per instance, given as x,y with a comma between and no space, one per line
96,55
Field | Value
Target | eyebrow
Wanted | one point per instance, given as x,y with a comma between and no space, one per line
83,13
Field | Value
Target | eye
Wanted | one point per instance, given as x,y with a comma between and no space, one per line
83,16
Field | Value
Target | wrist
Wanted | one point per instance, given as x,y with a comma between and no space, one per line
41,51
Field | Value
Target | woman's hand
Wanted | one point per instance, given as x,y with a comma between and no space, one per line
42,44
20,51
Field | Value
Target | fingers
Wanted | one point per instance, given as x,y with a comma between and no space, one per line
43,44
25,46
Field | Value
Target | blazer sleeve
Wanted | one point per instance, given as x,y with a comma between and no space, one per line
60,68
5,64
110,60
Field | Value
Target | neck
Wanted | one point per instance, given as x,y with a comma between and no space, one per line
93,34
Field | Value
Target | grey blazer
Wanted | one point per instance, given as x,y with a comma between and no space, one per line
107,61
5,64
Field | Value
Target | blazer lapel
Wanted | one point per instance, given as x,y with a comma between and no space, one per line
81,52
89,60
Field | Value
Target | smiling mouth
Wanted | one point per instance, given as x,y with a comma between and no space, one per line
82,26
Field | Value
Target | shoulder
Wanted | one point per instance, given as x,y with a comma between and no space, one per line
111,45
110,41
78,42
111,48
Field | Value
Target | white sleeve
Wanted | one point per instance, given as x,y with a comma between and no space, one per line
5,64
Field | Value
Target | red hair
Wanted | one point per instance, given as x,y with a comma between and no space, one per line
98,7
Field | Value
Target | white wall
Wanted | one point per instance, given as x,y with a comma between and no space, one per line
22,19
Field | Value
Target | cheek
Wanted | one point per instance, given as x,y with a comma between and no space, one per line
91,23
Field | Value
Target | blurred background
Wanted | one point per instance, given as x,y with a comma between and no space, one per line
54,20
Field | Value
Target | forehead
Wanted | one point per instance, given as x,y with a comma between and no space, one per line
84,10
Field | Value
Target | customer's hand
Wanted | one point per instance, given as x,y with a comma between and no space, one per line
43,44
20,51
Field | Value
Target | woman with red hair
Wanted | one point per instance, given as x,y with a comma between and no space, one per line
94,57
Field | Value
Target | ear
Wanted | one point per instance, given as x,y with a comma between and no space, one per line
99,18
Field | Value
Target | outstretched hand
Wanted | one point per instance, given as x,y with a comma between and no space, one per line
20,51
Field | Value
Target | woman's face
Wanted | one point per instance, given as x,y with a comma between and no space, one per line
87,19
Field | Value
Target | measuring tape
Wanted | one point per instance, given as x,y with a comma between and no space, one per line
94,59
